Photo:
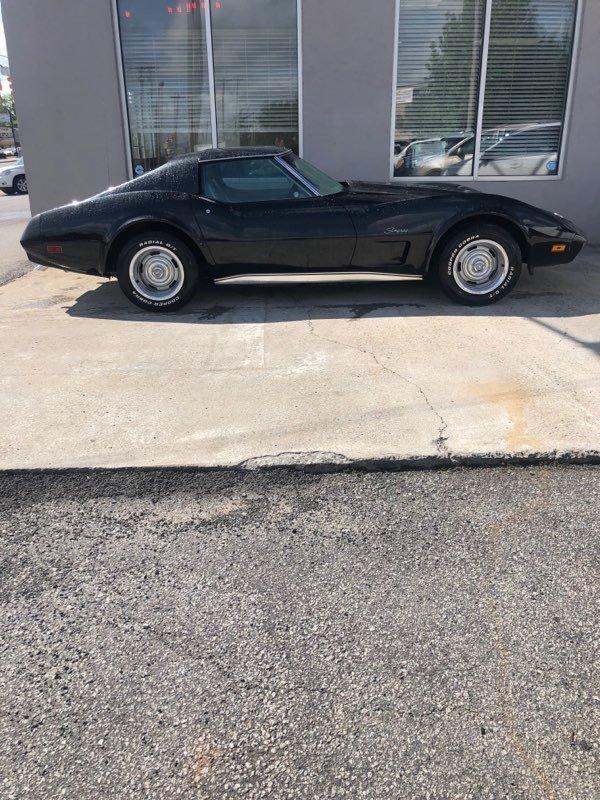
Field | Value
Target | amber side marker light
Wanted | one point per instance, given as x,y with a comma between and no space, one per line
559,248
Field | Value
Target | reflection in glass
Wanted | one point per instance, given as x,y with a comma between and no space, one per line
166,79
527,84
255,50
437,87
166,71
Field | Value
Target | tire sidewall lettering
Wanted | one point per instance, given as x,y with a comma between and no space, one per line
449,275
177,248
158,303
155,303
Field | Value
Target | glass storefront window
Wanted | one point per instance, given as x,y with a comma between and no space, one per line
165,69
167,73
255,48
437,86
528,71
443,112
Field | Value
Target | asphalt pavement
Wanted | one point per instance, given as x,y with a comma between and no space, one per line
281,634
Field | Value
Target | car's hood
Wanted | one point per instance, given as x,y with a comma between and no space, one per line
392,192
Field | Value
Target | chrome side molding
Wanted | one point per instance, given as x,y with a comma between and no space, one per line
315,277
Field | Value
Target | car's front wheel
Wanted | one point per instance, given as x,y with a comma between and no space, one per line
20,185
479,265
157,271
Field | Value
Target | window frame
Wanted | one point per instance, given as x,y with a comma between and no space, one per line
475,177
211,80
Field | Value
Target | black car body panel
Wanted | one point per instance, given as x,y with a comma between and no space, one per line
296,235
364,227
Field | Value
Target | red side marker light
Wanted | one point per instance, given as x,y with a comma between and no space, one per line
54,249
559,248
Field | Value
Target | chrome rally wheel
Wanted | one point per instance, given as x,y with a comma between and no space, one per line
156,273
479,264
481,267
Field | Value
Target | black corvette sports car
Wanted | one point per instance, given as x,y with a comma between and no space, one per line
258,215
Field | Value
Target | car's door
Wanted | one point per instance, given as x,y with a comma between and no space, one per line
257,218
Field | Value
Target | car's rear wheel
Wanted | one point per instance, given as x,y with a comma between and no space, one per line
157,271
20,185
479,265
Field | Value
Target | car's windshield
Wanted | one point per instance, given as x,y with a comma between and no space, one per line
320,180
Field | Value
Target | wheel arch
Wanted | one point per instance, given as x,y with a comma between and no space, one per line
149,224
489,218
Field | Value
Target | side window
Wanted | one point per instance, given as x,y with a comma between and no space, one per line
249,180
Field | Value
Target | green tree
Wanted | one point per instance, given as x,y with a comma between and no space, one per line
7,106
528,65
448,97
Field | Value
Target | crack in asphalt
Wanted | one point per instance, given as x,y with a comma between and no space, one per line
440,441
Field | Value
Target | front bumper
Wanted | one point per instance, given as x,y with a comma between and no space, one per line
567,235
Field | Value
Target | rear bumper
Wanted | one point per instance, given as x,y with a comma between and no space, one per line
69,253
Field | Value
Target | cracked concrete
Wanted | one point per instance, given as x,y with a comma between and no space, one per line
440,441
324,375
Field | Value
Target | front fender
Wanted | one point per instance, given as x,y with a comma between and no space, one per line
489,215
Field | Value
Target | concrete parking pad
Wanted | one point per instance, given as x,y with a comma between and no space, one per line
257,376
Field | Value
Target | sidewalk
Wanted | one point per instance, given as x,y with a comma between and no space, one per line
310,374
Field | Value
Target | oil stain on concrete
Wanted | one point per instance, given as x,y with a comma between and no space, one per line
513,399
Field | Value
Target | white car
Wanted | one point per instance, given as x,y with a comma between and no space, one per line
13,179
9,152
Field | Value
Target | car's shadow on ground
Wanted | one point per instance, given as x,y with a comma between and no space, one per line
551,293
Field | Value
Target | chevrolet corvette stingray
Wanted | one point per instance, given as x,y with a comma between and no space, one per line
263,215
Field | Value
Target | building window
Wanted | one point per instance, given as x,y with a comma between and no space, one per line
165,66
180,99
481,87
255,48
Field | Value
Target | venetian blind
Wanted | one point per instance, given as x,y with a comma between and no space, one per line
529,61
438,68
256,80
167,81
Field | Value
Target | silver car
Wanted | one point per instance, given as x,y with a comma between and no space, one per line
517,151
13,179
